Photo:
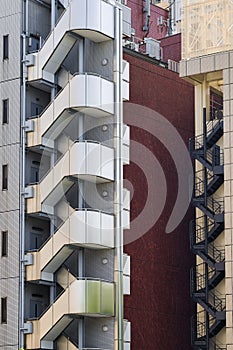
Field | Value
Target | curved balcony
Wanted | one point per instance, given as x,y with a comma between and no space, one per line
88,93
92,19
83,297
85,228
86,160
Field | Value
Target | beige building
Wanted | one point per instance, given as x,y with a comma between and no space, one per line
207,62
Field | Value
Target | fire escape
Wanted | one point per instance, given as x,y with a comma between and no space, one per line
209,271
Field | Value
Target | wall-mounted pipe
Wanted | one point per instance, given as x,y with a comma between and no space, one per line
146,10
118,191
22,175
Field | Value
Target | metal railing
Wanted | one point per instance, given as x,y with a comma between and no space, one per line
216,253
217,300
63,291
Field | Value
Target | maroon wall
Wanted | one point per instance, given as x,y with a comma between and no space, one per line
159,306
138,20
171,48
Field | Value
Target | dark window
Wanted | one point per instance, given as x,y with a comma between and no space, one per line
5,177
3,310
4,243
5,47
5,111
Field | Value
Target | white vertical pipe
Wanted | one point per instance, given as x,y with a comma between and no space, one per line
81,256
118,193
53,14
22,179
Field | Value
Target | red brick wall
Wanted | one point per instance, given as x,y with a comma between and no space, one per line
138,20
159,306
171,48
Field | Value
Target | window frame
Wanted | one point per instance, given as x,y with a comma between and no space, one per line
4,243
3,310
5,111
5,53
4,177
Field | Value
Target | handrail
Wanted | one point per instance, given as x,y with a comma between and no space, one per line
59,92
102,143
58,228
62,292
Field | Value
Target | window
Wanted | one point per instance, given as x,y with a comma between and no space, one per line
5,177
4,243
5,108
3,310
5,47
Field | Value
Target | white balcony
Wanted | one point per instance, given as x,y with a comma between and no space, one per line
126,145
125,81
92,19
88,93
84,228
86,160
87,297
126,274
126,209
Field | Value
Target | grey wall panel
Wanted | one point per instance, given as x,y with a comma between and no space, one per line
10,133
39,20
8,332
9,199
11,25
10,7
94,266
95,337
9,265
95,54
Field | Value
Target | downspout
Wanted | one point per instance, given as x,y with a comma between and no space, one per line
22,178
81,256
53,13
146,10
118,194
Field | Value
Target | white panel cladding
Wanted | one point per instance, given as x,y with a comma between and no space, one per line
10,7
94,228
8,332
11,25
10,198
126,274
93,14
10,133
9,266
97,160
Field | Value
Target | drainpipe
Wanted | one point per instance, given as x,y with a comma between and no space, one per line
169,31
81,256
118,193
53,13
22,178
146,10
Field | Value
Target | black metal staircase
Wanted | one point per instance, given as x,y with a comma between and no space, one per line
206,276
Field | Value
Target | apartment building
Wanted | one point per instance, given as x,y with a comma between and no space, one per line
63,145
207,61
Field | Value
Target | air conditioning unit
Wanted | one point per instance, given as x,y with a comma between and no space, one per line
153,48
173,65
